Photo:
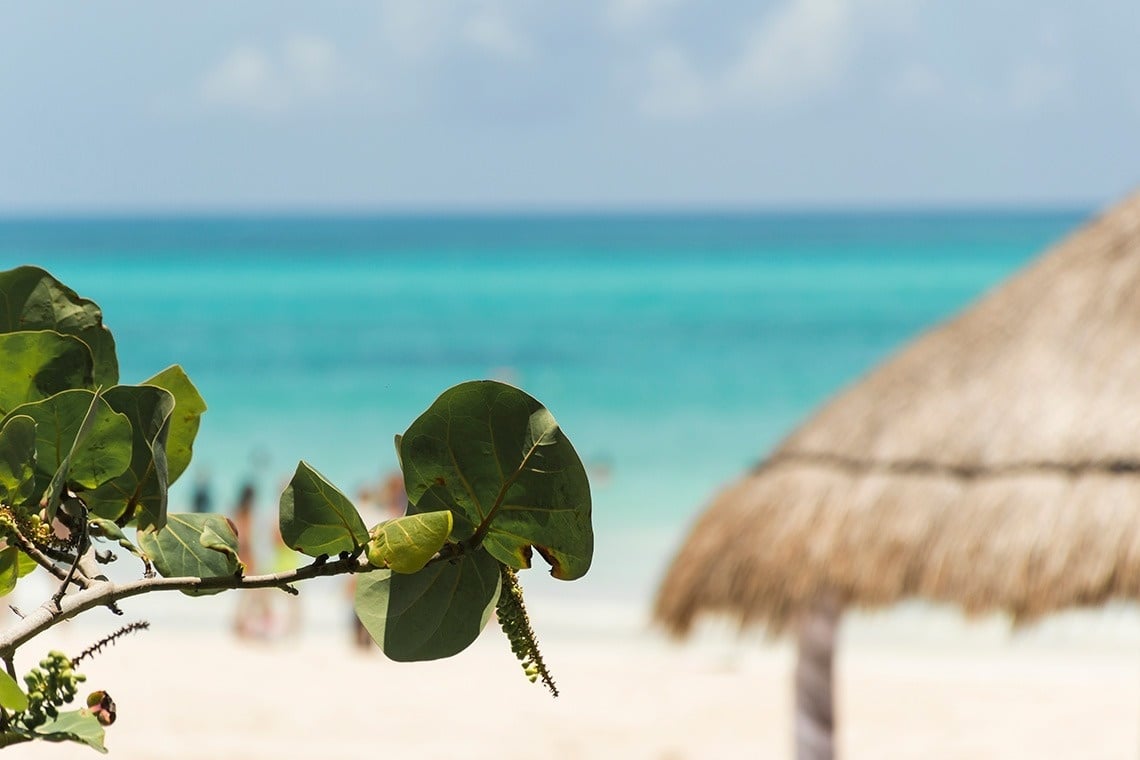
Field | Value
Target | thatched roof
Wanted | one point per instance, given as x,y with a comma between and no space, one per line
993,463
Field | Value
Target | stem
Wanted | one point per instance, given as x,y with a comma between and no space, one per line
481,531
80,550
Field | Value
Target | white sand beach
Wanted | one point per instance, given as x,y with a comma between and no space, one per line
908,687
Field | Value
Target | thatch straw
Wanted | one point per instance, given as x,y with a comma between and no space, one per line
994,463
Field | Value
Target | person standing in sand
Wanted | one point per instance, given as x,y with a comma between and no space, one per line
252,619
376,505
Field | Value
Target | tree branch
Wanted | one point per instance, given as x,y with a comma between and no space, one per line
27,547
102,592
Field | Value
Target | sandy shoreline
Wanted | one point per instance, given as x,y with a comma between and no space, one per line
201,694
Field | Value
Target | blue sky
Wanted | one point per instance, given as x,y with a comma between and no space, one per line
602,104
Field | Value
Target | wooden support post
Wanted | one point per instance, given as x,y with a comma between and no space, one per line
815,700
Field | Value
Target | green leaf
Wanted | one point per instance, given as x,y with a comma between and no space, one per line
31,299
317,519
82,462
143,486
9,573
25,565
497,459
188,409
12,696
215,541
18,461
74,726
431,614
35,365
192,544
406,543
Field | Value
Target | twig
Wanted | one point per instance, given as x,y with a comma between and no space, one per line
80,550
97,647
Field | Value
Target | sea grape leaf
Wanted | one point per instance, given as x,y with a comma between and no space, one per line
193,544
57,485
14,564
142,487
17,460
80,441
497,459
317,519
25,565
12,697
79,726
35,365
211,539
31,299
431,614
405,544
188,409
9,573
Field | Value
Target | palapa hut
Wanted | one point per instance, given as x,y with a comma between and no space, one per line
993,463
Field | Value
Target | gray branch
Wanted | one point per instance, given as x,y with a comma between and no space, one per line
102,592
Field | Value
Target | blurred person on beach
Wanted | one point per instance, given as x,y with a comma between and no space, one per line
201,500
253,617
386,501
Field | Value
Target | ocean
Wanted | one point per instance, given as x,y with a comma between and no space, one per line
675,350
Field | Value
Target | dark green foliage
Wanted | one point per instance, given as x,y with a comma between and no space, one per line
490,476
496,458
198,545
317,519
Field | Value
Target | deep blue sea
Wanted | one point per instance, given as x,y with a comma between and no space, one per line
675,350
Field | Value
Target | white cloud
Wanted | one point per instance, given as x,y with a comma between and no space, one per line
415,29
425,30
802,50
492,31
244,78
312,63
1043,78
253,79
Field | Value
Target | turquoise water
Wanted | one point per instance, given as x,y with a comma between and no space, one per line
674,350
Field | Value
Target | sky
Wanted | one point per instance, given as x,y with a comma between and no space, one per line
514,105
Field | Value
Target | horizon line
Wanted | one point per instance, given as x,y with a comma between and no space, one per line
567,211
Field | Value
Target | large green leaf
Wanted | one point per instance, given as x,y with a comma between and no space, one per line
17,461
31,299
317,519
83,462
35,365
142,487
405,544
79,726
431,614
188,409
12,696
496,457
191,544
